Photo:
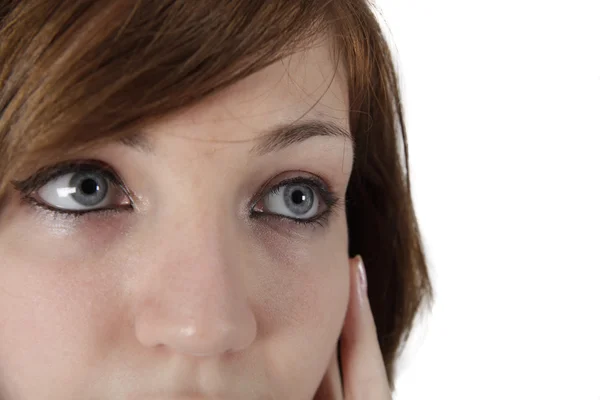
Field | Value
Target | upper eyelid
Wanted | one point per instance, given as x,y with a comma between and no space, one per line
268,187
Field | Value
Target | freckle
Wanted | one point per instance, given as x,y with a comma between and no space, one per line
206,153
210,152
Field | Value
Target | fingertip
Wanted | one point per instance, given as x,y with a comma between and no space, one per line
362,281
356,302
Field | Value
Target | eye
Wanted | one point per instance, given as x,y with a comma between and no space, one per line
76,188
81,191
297,199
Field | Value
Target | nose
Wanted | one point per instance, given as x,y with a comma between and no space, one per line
193,298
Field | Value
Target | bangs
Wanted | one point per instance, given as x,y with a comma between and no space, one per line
76,73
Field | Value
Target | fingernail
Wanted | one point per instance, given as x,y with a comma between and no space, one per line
362,279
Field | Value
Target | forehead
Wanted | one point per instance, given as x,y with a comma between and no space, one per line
308,84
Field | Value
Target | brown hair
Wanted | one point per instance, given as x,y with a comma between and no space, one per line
80,72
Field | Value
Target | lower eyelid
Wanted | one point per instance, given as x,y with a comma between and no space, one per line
100,213
321,220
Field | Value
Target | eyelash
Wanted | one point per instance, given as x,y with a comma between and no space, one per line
28,186
331,201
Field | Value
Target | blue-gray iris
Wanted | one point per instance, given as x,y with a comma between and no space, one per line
298,198
90,188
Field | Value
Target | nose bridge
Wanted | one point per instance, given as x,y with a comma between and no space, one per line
194,298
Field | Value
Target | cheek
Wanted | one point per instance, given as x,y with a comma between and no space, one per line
49,316
306,279
305,310
39,326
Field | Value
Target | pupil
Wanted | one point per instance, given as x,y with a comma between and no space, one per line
298,197
89,186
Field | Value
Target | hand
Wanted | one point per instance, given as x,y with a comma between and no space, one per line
362,363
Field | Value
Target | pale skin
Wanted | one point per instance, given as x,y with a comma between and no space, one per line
192,293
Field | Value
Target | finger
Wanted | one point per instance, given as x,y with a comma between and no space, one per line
331,385
363,367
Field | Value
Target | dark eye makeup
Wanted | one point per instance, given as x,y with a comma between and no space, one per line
329,199
309,188
30,187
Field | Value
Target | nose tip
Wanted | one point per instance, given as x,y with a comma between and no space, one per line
199,337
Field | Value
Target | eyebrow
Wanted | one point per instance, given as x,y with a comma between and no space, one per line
278,138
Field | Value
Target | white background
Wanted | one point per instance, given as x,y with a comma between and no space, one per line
502,102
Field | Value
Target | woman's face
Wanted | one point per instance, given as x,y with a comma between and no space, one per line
221,268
